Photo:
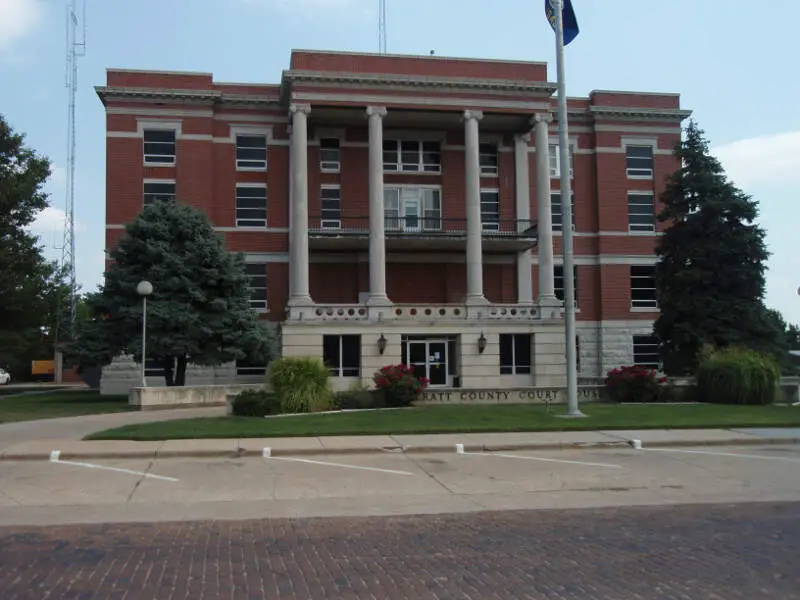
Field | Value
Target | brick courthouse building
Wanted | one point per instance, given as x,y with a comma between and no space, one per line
399,208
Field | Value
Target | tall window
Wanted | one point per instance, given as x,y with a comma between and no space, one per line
329,158
641,211
251,152
639,161
342,354
643,287
159,147
331,205
158,190
412,156
412,209
515,353
257,274
488,159
490,210
251,205
558,281
557,211
555,161
645,351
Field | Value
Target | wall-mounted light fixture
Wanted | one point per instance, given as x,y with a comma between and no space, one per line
481,343
381,344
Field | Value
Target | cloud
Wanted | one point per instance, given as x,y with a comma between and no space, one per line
49,225
767,159
17,19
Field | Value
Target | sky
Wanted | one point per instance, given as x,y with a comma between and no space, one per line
731,62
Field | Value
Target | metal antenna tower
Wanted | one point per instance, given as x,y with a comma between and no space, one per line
75,48
382,42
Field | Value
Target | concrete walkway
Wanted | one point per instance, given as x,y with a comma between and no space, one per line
65,437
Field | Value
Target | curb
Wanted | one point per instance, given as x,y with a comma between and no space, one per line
428,449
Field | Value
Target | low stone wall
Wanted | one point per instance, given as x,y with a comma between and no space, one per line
529,395
185,397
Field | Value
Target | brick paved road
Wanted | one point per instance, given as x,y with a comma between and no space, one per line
688,552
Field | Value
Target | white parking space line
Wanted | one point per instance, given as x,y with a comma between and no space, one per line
340,465
117,469
542,459
706,452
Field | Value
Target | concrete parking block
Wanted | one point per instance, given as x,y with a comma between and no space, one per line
73,449
679,437
361,443
183,448
33,450
784,434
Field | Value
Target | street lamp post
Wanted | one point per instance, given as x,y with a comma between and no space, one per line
144,289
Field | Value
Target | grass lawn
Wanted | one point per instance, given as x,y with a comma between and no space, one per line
21,389
59,404
451,419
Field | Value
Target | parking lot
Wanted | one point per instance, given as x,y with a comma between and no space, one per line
57,491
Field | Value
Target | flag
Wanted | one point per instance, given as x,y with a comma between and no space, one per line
570,22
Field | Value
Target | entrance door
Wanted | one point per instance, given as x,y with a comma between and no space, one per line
428,358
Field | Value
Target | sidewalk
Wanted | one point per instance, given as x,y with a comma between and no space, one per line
41,448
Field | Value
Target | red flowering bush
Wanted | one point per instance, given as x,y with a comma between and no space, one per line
634,383
399,385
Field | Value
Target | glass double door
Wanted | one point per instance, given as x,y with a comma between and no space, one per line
428,358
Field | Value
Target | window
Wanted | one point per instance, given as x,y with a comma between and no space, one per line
331,207
490,210
342,354
557,211
488,159
159,147
412,156
329,159
515,354
643,287
639,161
412,209
251,152
158,190
555,161
558,282
248,367
257,274
645,351
251,206
641,212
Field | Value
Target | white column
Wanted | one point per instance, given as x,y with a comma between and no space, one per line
523,196
298,242
544,225
377,239
473,201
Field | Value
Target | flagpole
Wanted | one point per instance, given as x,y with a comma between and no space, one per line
566,216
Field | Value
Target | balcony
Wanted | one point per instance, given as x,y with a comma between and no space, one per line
412,313
420,233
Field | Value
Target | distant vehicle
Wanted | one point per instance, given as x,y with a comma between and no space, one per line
5,378
43,370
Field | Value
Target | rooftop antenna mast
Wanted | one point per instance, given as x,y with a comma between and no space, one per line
75,48
382,42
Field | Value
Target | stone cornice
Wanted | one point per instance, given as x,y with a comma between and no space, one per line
638,114
472,84
194,97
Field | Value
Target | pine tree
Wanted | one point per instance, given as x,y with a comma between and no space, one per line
710,274
199,311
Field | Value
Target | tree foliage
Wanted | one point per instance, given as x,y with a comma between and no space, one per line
199,311
711,271
32,289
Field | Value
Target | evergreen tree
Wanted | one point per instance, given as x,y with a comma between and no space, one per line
199,311
710,274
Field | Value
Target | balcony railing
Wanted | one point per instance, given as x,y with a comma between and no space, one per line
416,226
424,313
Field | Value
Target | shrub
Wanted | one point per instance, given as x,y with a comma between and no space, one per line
634,383
398,385
302,384
255,403
358,400
738,376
